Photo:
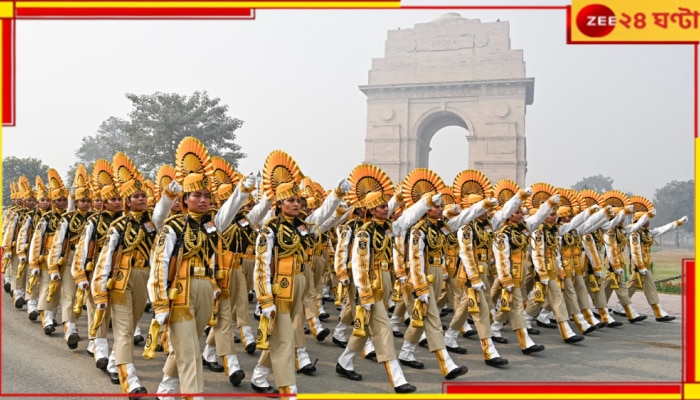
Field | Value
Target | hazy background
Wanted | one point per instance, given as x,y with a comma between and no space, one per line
292,76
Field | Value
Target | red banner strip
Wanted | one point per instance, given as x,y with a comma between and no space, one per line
688,333
117,12
8,72
562,388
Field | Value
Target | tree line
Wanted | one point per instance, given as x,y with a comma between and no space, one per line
158,122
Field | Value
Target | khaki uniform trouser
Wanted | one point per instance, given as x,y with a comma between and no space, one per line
238,304
282,355
570,299
482,320
431,321
221,334
313,274
380,331
297,313
449,293
248,267
515,315
622,292
580,287
127,309
12,269
68,288
554,298
599,300
347,314
184,361
648,286
43,290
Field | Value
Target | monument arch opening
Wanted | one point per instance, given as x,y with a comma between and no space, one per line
450,72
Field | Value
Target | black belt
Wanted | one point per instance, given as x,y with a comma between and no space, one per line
71,246
208,272
435,260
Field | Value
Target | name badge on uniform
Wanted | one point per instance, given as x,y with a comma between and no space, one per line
149,226
444,230
209,227
303,230
389,232
243,222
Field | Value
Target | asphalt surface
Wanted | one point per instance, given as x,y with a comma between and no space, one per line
647,351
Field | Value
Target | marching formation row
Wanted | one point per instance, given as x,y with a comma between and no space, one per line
202,240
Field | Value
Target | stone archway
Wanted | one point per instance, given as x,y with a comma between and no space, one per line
452,71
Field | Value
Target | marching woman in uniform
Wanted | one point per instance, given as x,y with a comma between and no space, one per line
63,250
24,239
89,247
183,285
640,249
122,269
42,239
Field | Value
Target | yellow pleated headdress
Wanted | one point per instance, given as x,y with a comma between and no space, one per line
591,197
471,186
541,192
616,199
127,178
505,189
641,205
225,177
56,187
193,165
281,176
102,180
371,186
421,182
81,183
40,190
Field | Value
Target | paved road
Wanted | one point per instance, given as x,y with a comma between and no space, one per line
647,351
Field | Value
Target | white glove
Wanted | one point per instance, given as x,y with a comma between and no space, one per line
368,307
71,191
652,212
491,202
34,271
479,286
642,271
101,306
424,298
618,271
24,258
269,312
599,274
437,199
216,294
454,209
344,185
174,187
55,276
83,285
595,207
249,182
682,220
403,279
545,282
161,317
555,198
528,191
510,288
345,282
630,209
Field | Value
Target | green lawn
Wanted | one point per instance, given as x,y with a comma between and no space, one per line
667,264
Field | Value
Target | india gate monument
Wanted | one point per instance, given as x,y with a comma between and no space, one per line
452,71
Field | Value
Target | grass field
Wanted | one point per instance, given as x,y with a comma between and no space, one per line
666,263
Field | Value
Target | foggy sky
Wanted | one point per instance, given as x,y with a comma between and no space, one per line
292,76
